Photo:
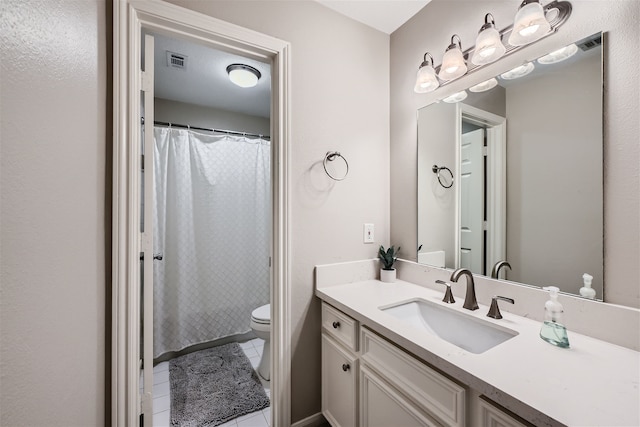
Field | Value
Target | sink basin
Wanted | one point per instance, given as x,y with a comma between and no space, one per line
465,331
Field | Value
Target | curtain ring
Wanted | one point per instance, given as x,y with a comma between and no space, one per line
331,156
436,169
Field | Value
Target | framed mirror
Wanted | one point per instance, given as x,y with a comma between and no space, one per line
510,170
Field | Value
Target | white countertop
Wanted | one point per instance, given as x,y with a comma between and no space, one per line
592,383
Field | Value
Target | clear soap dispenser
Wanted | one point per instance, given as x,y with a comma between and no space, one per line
553,330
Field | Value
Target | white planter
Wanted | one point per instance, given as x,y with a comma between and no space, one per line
388,276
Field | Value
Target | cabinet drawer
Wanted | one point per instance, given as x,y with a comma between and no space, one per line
340,326
436,394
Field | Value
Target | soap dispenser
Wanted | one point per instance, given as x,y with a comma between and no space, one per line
587,291
553,330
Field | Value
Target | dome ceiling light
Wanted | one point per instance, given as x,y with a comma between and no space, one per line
243,75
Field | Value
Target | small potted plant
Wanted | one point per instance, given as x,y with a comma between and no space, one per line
388,257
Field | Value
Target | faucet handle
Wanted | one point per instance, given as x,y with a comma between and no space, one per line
494,310
448,296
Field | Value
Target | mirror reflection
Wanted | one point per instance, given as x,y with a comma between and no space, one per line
510,174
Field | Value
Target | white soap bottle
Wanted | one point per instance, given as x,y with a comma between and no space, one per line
587,291
553,330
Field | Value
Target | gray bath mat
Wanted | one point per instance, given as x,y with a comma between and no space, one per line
210,387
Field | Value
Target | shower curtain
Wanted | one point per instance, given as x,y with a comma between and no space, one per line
212,225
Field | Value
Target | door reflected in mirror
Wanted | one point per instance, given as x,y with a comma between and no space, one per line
526,160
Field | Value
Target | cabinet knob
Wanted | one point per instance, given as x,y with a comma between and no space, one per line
336,325
345,367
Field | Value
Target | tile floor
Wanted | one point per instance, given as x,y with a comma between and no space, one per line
162,398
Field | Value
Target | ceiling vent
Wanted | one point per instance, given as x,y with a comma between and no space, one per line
590,42
176,60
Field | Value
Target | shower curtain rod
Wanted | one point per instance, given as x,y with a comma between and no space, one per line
229,132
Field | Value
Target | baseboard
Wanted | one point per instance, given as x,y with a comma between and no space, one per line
314,420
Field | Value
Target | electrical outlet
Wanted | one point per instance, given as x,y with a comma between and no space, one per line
368,233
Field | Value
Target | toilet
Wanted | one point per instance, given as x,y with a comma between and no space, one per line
261,326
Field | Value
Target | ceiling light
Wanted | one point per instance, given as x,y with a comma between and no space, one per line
489,46
518,72
456,97
453,65
484,86
426,80
243,75
559,55
530,24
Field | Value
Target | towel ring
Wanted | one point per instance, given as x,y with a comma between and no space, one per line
330,157
436,169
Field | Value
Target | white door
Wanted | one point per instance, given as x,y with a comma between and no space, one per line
472,201
146,234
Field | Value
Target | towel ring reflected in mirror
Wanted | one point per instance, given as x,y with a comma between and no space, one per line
437,169
330,157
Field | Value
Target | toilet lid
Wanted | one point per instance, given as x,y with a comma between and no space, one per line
262,314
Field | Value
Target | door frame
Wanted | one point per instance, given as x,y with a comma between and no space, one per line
129,18
496,187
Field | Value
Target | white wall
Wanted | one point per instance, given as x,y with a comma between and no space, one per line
53,221
166,110
431,30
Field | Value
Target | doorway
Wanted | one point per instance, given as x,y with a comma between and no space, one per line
211,208
132,241
481,196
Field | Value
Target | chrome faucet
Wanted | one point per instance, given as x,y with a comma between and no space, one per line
470,302
496,268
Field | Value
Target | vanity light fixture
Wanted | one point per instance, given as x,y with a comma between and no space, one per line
426,80
518,72
485,85
530,24
489,47
243,75
453,64
533,22
559,55
456,97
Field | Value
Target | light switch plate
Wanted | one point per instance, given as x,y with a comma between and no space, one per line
368,233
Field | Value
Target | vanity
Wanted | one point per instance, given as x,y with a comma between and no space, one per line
381,368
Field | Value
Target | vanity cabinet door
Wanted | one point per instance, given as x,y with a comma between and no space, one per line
382,406
339,384
438,396
491,416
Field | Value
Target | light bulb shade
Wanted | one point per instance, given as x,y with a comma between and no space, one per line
243,75
453,64
530,24
559,55
426,80
489,47
456,97
484,86
518,72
